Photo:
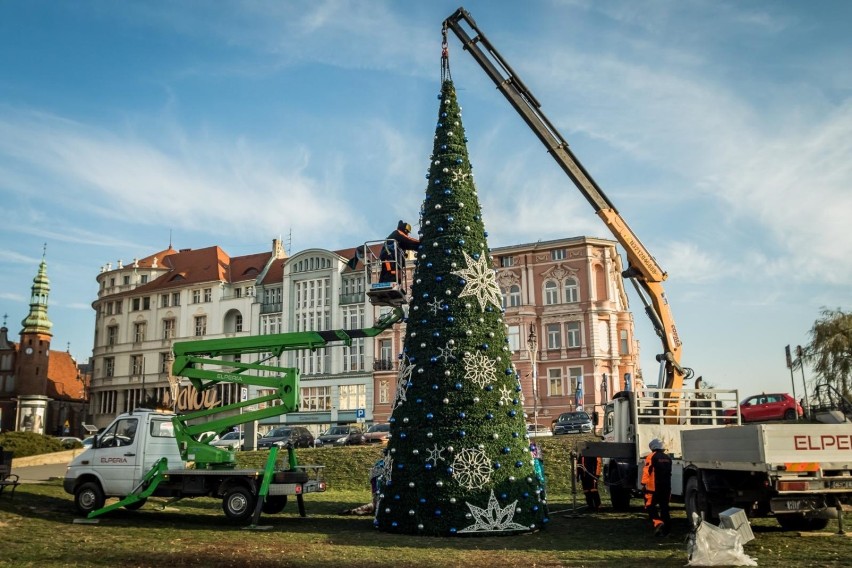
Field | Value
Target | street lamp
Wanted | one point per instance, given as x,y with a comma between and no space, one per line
532,349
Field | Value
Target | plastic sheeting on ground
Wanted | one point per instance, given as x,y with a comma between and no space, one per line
710,545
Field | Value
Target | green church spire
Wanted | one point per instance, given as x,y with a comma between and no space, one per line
37,320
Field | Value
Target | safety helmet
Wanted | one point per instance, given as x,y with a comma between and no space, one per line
656,444
404,227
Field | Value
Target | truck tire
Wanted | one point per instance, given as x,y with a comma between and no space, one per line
238,503
274,504
88,497
695,501
620,497
799,522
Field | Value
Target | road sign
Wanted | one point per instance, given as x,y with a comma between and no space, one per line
361,413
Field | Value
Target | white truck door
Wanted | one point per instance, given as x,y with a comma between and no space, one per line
117,455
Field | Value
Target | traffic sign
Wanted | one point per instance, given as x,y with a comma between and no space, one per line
361,413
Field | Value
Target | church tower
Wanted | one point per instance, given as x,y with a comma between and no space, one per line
34,349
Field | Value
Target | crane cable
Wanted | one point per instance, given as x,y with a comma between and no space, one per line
445,56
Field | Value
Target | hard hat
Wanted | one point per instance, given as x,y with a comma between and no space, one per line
404,227
656,444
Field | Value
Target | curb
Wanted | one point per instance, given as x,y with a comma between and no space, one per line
47,459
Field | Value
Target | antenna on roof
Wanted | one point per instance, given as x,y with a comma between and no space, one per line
289,241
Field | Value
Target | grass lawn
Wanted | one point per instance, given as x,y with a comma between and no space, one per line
37,529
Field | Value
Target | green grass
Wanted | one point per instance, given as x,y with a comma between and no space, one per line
37,529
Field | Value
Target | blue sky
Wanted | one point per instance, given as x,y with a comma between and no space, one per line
721,130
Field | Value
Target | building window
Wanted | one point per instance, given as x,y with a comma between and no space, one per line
126,280
551,293
143,279
513,338
554,335
514,296
558,254
168,329
200,326
238,323
572,332
572,291
272,296
176,298
352,396
164,300
139,332
575,378
109,308
384,392
112,335
109,366
208,294
385,362
137,365
623,343
270,324
238,292
555,383
118,305
165,359
196,296
315,398
136,304
507,261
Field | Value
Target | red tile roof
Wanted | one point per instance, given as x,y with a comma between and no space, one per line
64,380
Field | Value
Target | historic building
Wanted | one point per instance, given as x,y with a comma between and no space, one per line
568,294
41,390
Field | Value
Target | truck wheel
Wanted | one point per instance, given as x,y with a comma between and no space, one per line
88,497
799,522
238,503
620,497
695,501
274,504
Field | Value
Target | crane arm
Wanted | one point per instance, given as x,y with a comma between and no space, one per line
642,269
205,363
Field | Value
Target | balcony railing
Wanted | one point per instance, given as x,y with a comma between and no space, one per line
356,298
384,365
271,308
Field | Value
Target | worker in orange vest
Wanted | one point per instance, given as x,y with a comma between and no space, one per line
588,473
657,484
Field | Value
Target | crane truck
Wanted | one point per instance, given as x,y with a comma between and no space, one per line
801,473
147,453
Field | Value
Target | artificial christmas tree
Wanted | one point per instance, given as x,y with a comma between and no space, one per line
458,461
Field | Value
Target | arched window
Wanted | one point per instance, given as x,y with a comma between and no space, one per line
514,296
551,293
572,291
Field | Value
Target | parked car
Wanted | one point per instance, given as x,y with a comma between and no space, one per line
577,422
775,406
232,440
538,430
378,434
299,436
69,442
343,436
88,441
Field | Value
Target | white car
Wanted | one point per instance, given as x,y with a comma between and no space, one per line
232,440
538,431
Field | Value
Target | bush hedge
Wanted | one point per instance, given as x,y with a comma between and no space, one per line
23,444
349,468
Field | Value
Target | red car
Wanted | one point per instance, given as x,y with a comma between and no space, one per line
761,407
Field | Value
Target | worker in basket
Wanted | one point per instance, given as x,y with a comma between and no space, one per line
392,256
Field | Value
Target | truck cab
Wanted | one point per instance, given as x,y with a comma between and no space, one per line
120,457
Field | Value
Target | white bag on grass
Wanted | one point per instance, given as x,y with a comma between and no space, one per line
714,546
